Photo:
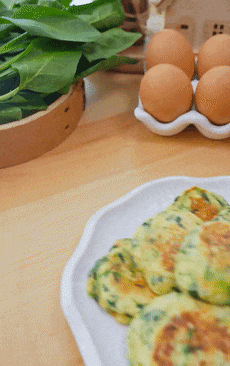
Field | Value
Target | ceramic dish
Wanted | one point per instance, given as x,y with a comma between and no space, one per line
101,340
192,117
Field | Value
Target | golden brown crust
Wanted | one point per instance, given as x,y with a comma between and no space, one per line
203,209
170,248
205,335
216,239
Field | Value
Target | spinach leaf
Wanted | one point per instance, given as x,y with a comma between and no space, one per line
102,14
2,7
109,44
25,100
53,23
92,67
9,81
13,44
51,3
10,114
18,3
9,60
65,3
5,26
66,89
45,69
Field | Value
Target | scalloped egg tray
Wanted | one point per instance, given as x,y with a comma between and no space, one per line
193,117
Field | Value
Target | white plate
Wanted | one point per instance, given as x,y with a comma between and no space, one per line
193,117
101,340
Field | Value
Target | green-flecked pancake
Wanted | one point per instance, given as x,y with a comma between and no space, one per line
156,244
203,263
177,330
206,205
117,285
224,215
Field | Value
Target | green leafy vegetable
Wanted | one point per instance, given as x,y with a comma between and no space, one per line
47,45
10,114
14,44
51,4
102,14
9,81
42,62
112,62
53,23
108,44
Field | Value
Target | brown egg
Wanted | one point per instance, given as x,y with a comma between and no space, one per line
214,52
166,92
213,95
170,47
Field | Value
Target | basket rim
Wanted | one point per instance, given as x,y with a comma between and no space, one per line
39,114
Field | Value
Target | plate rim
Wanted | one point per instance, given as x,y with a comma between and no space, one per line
82,336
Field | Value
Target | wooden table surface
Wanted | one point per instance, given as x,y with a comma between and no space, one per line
45,204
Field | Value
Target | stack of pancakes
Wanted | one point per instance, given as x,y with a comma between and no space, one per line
171,283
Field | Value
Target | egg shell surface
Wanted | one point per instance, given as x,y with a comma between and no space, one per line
170,46
214,52
166,92
212,95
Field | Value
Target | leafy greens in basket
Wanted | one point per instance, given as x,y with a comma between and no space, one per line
47,45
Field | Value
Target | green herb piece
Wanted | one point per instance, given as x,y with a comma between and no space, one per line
120,255
191,349
204,195
154,315
179,221
93,272
193,293
112,303
116,276
105,288
146,224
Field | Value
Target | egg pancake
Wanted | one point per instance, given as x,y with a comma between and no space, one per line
177,330
224,214
204,204
203,263
156,244
117,285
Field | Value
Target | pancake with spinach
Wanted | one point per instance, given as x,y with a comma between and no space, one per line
206,205
176,330
224,215
117,285
203,263
156,244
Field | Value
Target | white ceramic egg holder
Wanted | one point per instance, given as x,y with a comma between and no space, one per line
193,117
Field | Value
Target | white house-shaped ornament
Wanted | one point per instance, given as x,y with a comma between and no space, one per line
198,20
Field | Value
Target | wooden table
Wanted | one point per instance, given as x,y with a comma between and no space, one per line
46,203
